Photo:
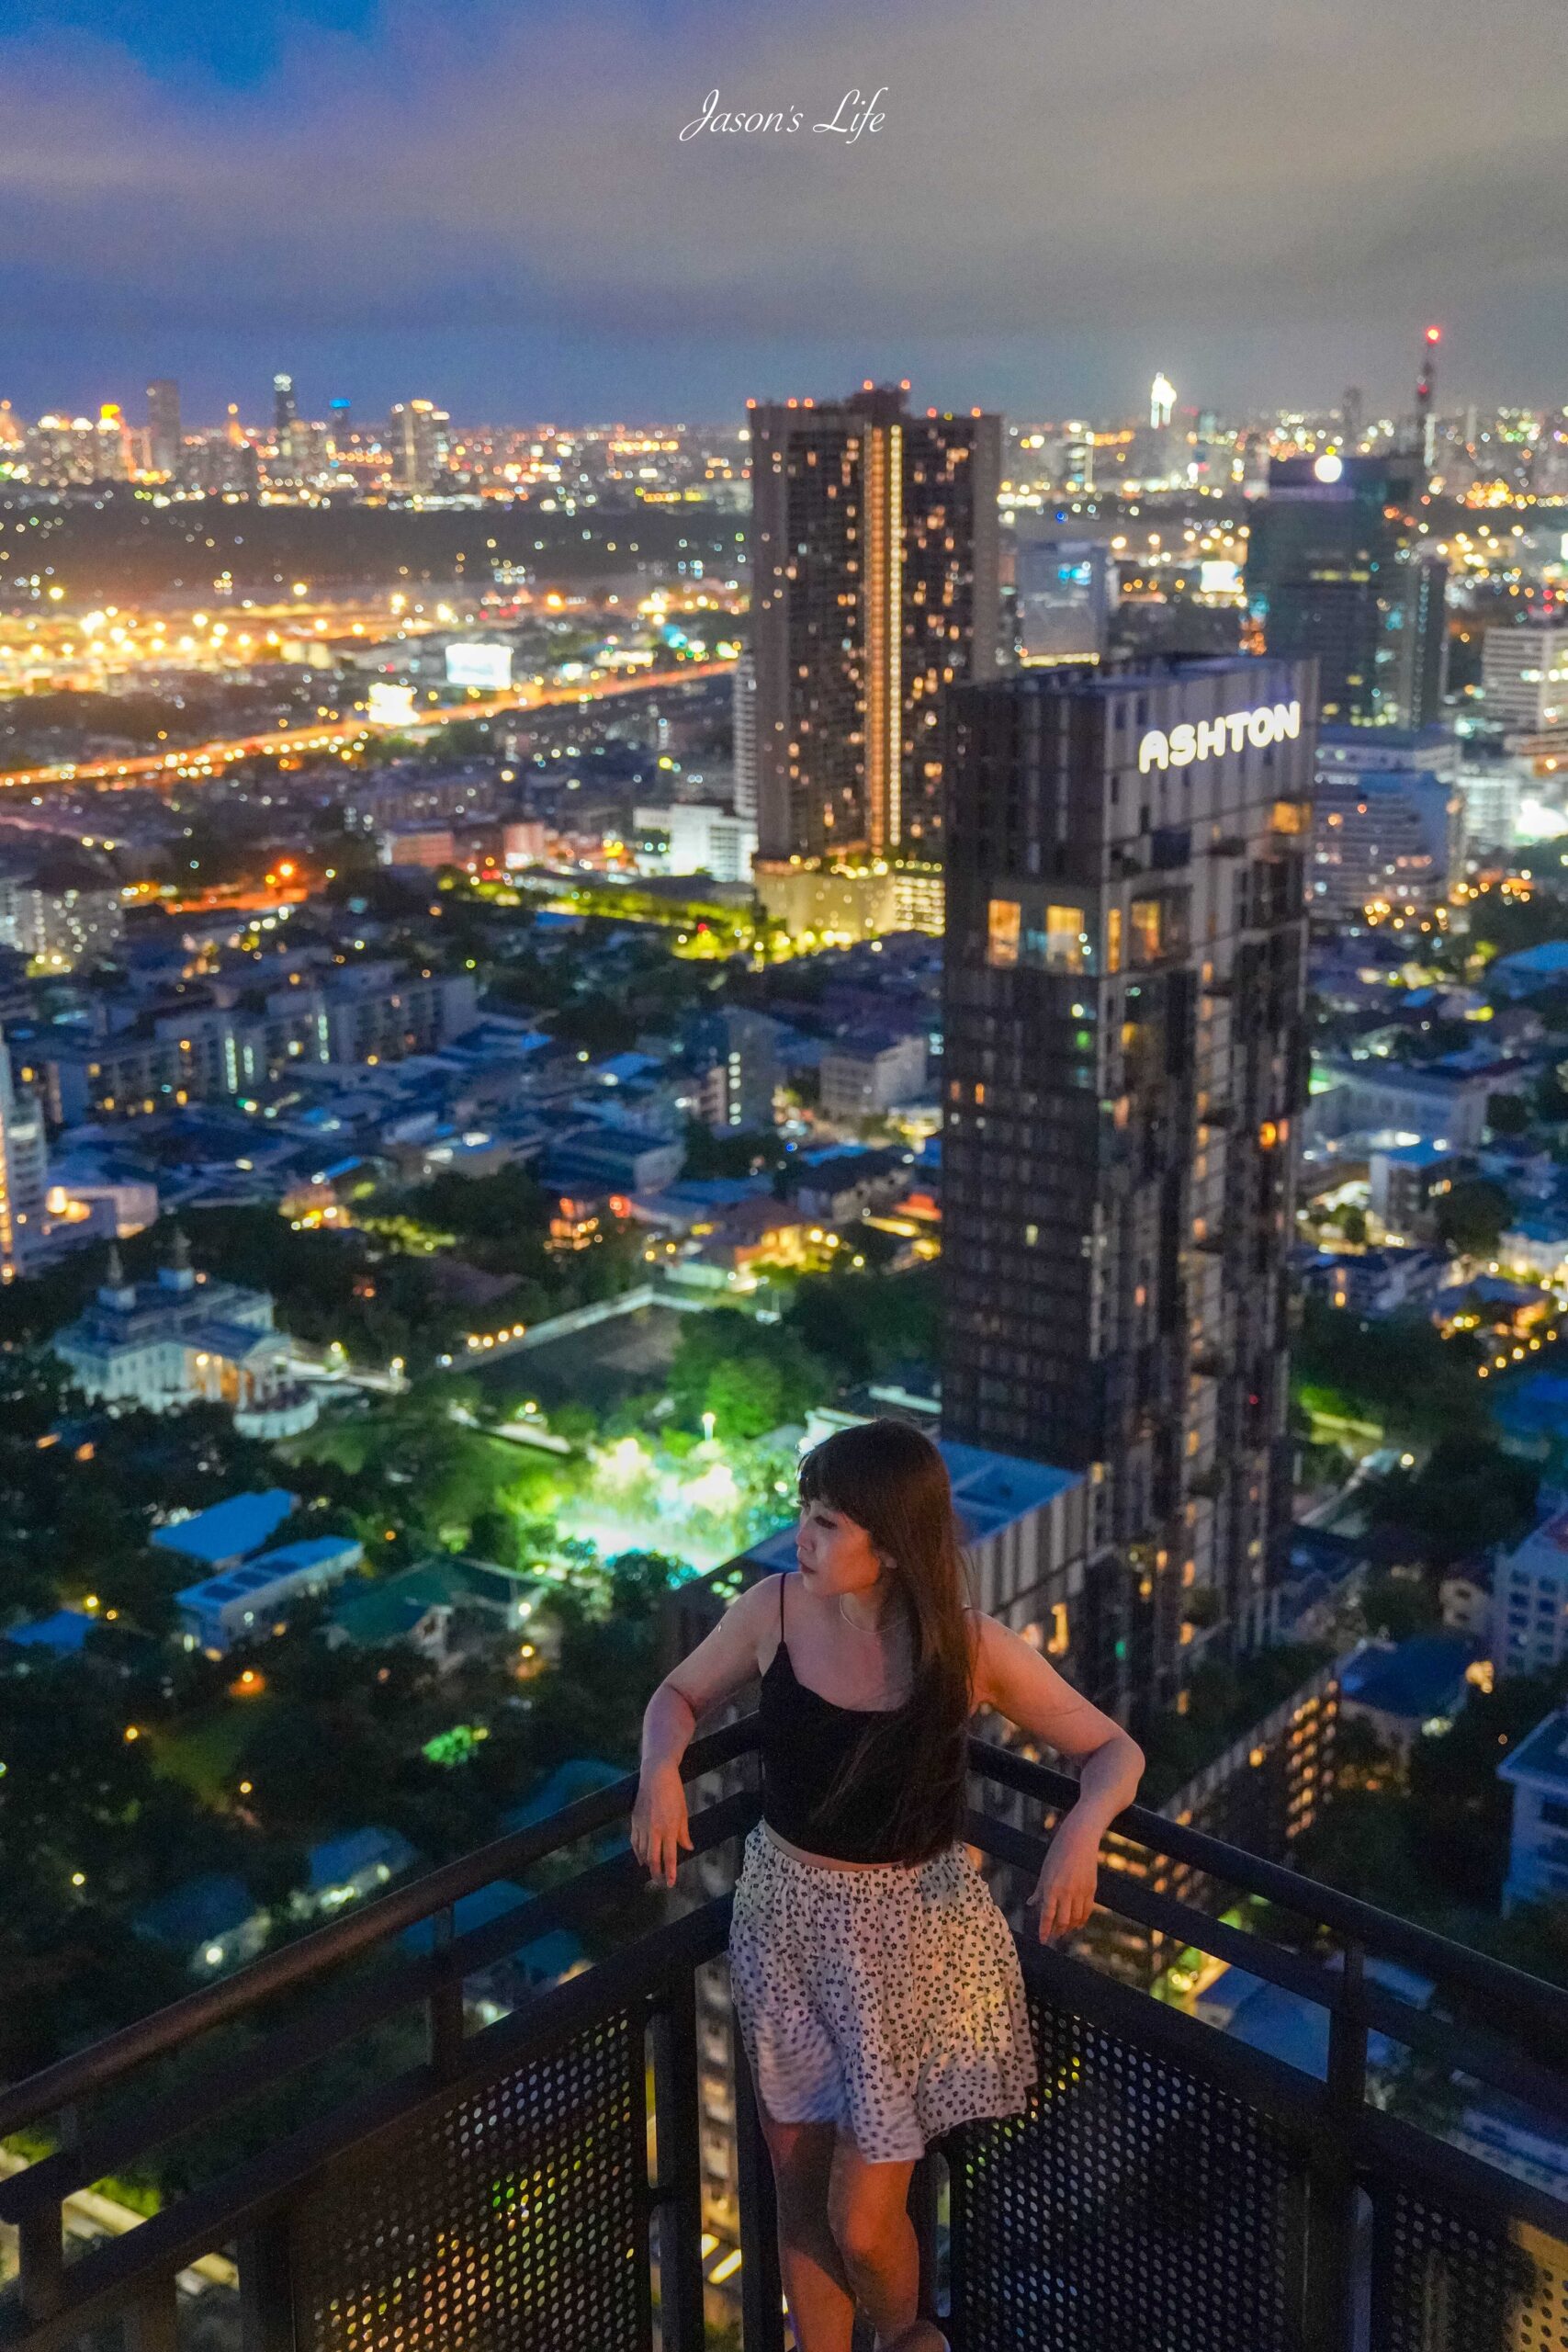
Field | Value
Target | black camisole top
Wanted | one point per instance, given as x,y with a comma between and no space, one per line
804,1741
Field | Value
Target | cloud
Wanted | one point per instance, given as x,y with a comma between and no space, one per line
1093,174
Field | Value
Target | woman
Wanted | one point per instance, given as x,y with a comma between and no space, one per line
876,1984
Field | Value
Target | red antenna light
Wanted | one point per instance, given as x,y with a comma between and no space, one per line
1433,335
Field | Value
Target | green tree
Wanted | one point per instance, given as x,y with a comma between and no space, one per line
1472,1218
751,1376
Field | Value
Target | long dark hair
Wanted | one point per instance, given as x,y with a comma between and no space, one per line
892,1481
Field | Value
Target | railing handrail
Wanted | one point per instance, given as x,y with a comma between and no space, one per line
102,2063
653,1972
95,2068
1423,1949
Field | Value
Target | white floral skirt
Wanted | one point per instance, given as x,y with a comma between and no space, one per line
887,2000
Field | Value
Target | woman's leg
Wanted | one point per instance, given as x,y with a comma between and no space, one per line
868,2207
821,2305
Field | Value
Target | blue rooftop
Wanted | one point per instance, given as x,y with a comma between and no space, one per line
475,1910
198,1910
1418,1678
335,1861
63,1633
1543,1756
581,1776
989,1491
228,1530
270,1568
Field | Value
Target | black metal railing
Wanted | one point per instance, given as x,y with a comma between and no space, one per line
536,2184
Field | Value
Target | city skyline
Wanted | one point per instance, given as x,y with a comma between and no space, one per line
1032,228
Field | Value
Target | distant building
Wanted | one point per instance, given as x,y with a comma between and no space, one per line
431,846
863,1078
876,584
1404,1181
1404,1102
62,1633
534,1962
24,1172
1339,569
60,911
185,1339
1530,1601
1524,676
839,905
622,1159
227,1533
1494,789
840,1183
745,717
211,1923
417,431
344,1869
1406,1688
698,840
440,1607
370,1012
1538,1843
1530,970
245,1600
735,1051
164,441
1065,594
1387,831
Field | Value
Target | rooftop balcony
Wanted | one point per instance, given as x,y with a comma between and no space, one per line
533,2181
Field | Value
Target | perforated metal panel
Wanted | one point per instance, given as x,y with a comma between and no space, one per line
1446,2280
514,2222
1134,2204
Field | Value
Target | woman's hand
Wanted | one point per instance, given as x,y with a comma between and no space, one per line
658,1822
1065,1887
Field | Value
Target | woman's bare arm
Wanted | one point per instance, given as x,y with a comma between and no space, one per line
722,1664
1019,1683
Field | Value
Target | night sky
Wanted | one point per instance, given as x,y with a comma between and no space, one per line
490,205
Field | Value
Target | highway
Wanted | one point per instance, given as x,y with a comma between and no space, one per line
196,759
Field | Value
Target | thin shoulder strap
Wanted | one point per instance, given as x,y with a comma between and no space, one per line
782,1574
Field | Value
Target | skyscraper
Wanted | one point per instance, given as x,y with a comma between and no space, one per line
23,1166
164,438
874,585
1125,1058
1339,567
417,432
745,717
285,407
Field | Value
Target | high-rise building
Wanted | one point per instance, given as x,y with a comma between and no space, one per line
1524,676
745,712
164,437
874,585
1064,591
417,431
1338,568
24,1172
1388,823
285,407
736,1049
1124,1056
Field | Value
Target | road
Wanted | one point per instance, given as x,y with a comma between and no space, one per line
209,759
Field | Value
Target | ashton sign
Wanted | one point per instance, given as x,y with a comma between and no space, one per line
1269,723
